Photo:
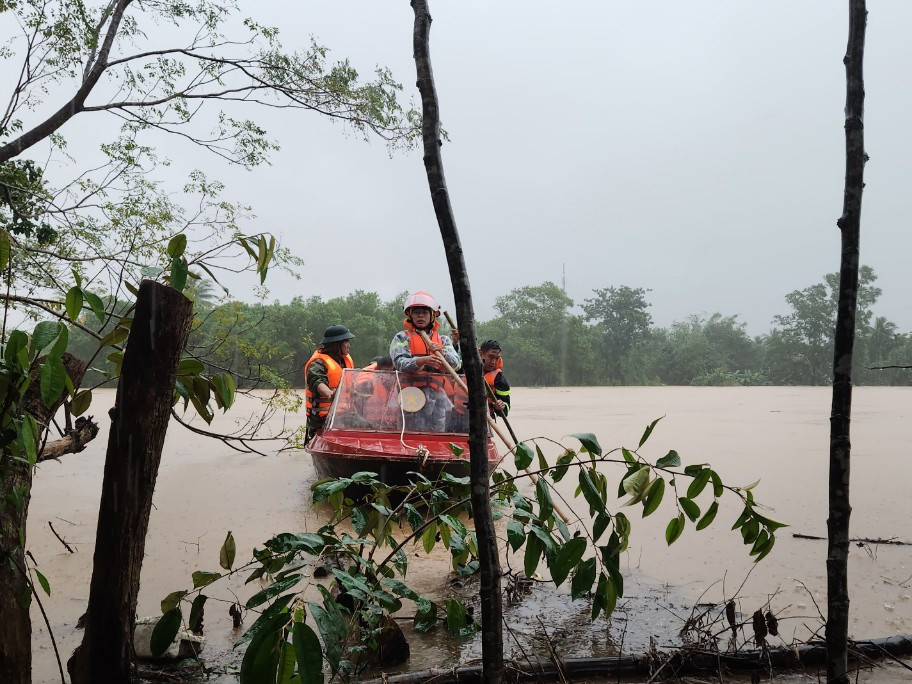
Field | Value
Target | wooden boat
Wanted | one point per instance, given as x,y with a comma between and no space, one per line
377,423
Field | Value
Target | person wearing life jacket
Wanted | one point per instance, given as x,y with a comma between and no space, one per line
377,389
492,366
417,363
322,374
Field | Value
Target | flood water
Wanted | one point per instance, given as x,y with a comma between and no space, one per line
778,435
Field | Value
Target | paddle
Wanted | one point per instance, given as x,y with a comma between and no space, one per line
511,445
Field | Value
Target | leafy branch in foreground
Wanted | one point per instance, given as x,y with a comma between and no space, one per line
374,528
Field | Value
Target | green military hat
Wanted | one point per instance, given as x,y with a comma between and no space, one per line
336,333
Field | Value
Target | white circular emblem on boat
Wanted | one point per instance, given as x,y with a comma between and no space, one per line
411,399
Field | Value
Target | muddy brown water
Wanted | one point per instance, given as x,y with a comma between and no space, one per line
778,435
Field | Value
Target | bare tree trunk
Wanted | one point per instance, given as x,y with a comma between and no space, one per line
837,627
488,557
15,594
139,423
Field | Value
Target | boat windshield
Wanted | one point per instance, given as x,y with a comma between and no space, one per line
382,401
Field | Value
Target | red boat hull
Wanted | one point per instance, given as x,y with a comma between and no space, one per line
342,453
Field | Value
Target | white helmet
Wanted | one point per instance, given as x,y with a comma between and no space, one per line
421,298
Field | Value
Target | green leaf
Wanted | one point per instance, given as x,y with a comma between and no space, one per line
264,595
202,578
455,615
583,579
563,463
691,509
177,245
178,273
42,580
516,534
115,336
287,659
4,248
669,460
543,494
674,529
635,484
95,304
278,607
429,538
165,631
226,554
81,402
567,558
454,525
17,341
600,525
172,600
190,366
590,492
630,458
60,344
710,515
53,381
28,438
718,489
532,555
589,442
74,302
44,334
654,496
746,515
648,432
194,623
698,484
308,653
524,456
261,659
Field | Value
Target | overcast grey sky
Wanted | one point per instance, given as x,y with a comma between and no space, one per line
694,148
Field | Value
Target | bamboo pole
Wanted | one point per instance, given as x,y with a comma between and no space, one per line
510,444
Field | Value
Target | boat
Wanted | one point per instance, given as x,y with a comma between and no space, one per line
378,423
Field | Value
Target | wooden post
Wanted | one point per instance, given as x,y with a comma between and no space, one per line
139,423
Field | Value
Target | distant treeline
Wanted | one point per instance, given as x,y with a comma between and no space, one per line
609,339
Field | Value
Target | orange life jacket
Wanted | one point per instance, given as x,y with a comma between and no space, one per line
316,405
490,377
417,347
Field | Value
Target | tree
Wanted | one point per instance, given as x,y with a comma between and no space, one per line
488,555
622,320
76,245
806,335
849,301
543,342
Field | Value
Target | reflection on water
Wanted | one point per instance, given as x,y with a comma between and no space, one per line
777,435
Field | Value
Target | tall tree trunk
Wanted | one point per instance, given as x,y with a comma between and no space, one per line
139,421
488,556
837,626
15,594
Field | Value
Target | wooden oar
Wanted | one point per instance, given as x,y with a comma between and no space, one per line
510,444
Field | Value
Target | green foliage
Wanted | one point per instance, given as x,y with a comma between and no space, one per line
369,570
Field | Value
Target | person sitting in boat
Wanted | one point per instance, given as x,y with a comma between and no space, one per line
374,395
492,366
418,363
322,374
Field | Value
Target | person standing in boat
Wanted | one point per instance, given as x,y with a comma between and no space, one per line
492,367
322,374
418,363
